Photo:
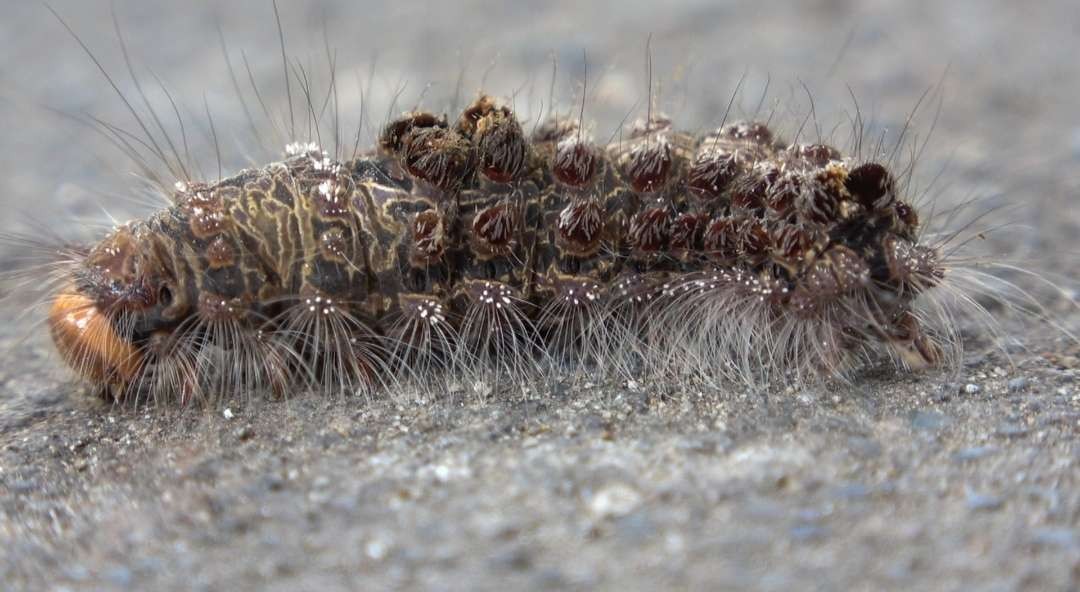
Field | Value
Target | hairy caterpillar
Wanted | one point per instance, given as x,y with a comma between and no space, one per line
468,246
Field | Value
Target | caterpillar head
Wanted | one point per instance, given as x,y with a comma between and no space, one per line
119,295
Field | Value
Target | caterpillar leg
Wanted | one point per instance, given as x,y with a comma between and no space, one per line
907,340
498,340
422,337
225,348
574,324
337,351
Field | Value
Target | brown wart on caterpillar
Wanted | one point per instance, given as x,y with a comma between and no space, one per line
465,247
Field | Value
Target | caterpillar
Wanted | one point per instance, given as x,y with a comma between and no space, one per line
468,246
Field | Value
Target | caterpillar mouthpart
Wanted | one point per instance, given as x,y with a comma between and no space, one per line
89,343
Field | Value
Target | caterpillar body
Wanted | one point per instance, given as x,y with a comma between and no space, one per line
469,247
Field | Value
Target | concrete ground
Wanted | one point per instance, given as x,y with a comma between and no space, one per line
962,480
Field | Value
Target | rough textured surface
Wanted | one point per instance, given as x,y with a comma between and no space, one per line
965,481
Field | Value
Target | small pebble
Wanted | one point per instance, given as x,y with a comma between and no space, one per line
516,558
1017,385
972,389
1011,430
809,532
973,453
1056,537
614,500
376,549
118,575
864,447
983,502
930,421
852,491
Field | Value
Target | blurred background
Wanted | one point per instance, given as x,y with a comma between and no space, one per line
895,482
1000,68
